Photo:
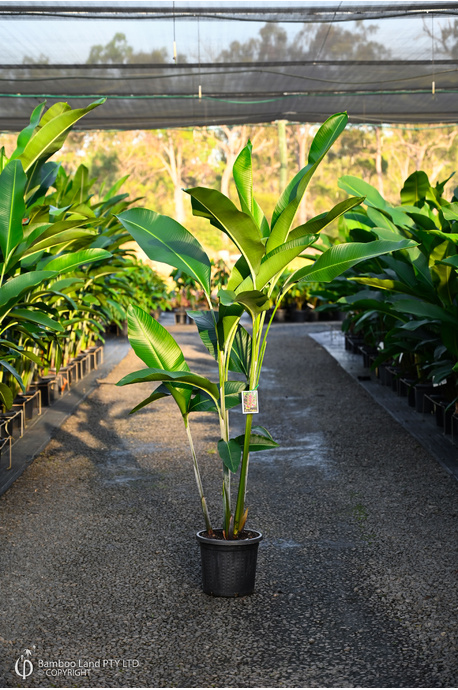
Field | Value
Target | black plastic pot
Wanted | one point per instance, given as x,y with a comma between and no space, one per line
422,389
281,315
48,387
298,315
181,317
229,566
406,388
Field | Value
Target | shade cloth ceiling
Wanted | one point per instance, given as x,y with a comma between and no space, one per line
169,64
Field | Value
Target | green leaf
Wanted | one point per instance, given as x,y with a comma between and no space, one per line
163,239
239,226
290,199
240,359
301,237
24,136
12,207
201,402
230,453
55,125
153,343
257,442
68,262
451,261
12,371
232,390
175,377
157,395
415,188
36,317
61,238
239,273
253,300
336,260
228,319
450,211
14,287
243,178
6,396
425,310
353,185
384,284
205,322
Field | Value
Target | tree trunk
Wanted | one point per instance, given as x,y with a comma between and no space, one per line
378,160
302,210
174,165
283,151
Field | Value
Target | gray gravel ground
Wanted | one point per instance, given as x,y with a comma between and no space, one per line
356,582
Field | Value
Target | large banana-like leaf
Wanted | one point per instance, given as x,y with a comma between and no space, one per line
289,201
13,372
416,187
451,261
228,320
35,316
243,178
258,442
240,359
61,238
12,206
425,310
299,239
205,322
385,284
239,226
6,396
175,377
26,134
336,260
254,301
68,262
39,183
230,453
353,185
239,273
153,343
54,126
14,287
163,239
157,395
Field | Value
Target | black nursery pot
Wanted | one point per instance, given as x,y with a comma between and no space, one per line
229,565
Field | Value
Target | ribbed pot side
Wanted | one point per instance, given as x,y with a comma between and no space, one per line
229,566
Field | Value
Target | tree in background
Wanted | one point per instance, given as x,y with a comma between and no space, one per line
161,162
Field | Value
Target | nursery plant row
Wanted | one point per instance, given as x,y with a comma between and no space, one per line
402,308
66,272
42,393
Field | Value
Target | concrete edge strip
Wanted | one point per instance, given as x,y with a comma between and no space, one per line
42,428
420,426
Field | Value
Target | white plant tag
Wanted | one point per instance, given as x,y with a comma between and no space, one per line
250,403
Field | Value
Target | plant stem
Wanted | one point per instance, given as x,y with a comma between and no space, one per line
224,427
200,488
241,495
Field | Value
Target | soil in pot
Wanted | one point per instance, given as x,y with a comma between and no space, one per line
229,565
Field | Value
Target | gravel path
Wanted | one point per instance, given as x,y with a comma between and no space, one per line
356,582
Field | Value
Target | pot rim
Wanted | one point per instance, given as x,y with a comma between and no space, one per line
230,543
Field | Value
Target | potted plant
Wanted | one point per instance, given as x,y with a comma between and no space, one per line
187,294
266,251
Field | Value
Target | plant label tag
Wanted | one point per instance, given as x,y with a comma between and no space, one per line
250,403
